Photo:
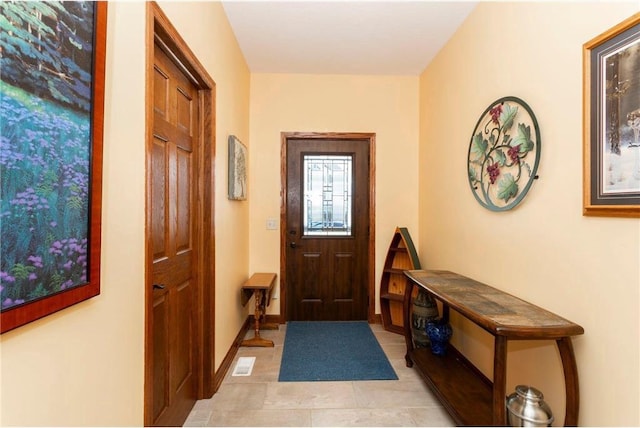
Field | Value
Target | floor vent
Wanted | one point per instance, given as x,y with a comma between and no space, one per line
244,366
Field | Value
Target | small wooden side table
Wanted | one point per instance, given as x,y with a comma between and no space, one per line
260,285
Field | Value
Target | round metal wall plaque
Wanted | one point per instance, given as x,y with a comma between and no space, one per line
503,154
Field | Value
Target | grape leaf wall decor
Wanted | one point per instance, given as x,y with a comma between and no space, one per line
504,152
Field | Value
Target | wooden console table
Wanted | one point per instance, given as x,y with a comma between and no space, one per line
260,285
469,396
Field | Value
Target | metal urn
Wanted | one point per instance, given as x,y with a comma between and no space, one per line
525,408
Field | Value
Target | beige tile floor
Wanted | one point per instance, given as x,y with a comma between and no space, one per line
260,400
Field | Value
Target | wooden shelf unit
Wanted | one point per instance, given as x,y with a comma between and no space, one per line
401,256
469,397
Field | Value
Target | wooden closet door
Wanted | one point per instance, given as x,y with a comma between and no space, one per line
172,205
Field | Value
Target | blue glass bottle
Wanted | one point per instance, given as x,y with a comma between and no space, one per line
439,332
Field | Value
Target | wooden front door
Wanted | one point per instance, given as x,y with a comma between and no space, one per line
172,226
326,230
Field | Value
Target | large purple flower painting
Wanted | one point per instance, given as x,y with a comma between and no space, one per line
46,59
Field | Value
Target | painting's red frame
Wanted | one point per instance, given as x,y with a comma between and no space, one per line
23,314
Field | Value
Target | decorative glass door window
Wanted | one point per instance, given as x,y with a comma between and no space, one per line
328,199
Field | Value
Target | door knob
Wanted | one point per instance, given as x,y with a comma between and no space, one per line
293,244
158,286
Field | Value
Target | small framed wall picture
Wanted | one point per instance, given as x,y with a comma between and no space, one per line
237,169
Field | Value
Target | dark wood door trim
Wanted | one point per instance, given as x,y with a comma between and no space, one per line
371,137
160,30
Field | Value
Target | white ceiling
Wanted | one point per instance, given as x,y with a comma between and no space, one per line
343,37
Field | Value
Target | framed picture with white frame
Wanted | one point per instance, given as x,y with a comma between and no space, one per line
237,169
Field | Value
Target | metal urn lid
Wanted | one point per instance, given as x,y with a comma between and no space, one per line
527,409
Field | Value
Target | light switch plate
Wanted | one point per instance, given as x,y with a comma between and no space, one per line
272,224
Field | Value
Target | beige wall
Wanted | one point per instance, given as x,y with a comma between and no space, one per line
545,251
84,366
384,105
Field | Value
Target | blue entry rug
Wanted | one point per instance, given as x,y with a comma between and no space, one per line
332,351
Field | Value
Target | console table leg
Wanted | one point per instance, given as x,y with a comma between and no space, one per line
406,318
571,381
500,381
